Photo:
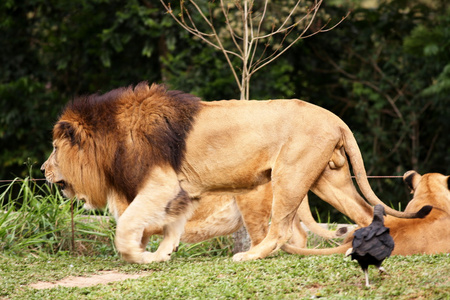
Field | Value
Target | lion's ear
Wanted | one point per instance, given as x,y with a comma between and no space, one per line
66,130
412,179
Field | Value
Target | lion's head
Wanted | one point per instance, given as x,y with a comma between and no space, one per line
75,169
51,171
106,144
431,189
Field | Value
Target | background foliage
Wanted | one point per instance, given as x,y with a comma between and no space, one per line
385,71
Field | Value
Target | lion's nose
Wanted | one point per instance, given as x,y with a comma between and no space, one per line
43,170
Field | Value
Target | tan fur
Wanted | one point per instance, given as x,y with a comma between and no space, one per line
429,235
148,151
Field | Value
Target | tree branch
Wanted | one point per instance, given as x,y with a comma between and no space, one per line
315,10
247,45
230,29
200,34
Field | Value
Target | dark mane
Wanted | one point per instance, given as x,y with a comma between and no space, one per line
89,112
134,129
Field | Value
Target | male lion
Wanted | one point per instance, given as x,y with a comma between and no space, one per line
149,153
429,235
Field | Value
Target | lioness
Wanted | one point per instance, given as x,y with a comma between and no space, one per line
429,235
149,153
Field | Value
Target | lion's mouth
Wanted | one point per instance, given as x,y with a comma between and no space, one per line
61,184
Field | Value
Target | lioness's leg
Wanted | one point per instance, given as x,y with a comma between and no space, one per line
215,216
160,202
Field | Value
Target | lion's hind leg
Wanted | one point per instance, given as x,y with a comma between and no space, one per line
293,174
280,231
299,235
255,208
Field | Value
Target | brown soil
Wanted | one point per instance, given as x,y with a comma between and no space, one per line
86,281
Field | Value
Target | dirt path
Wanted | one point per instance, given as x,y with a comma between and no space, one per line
85,281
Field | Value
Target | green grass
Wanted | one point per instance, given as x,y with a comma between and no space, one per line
281,276
36,218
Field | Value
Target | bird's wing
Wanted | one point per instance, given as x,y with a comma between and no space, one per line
388,241
381,230
366,246
380,252
378,246
359,236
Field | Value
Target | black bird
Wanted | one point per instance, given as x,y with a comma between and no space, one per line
372,244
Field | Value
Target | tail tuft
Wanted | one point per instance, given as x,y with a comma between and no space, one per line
424,211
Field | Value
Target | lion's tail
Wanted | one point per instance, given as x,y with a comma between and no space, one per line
324,251
354,154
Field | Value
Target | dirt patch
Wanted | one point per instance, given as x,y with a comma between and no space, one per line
86,281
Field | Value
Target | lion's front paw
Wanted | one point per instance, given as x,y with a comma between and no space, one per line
244,256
